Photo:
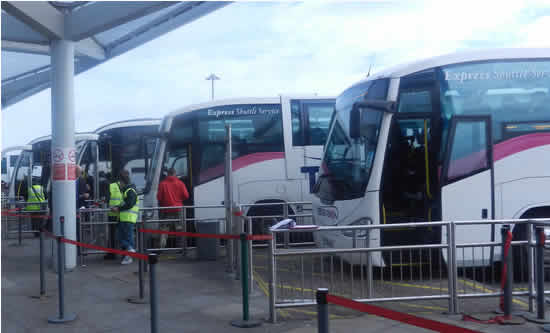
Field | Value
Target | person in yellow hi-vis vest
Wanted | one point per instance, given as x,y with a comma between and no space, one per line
128,214
35,193
115,199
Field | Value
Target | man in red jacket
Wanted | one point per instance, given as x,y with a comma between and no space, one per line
171,193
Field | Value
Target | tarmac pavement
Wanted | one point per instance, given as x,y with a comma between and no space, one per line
194,296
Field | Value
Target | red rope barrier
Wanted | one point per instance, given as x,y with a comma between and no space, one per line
95,247
507,245
198,235
398,316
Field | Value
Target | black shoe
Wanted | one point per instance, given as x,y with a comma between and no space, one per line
109,256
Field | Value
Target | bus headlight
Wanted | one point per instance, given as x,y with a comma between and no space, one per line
361,233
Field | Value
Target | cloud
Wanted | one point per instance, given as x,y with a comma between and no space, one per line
266,49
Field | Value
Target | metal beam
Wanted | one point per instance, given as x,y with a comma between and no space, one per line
184,13
12,46
87,47
39,15
17,88
101,16
91,48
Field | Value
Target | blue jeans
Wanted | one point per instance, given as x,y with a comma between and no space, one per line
125,235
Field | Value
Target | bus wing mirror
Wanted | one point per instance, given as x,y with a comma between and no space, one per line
356,129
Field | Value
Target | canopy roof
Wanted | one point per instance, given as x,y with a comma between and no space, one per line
101,30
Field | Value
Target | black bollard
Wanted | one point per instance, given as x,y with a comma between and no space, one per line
141,298
322,310
62,316
153,259
42,268
19,231
42,271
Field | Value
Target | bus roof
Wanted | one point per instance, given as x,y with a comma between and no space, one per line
77,136
129,123
461,57
241,100
15,148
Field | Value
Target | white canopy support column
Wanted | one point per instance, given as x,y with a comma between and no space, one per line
63,145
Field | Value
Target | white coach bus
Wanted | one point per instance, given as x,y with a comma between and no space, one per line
102,154
127,144
37,154
9,161
464,136
277,148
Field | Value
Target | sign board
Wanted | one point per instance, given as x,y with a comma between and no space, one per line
58,171
63,164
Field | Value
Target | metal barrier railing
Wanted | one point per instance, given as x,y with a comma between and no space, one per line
17,220
449,270
94,227
293,210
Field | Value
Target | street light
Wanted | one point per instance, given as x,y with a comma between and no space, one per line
212,77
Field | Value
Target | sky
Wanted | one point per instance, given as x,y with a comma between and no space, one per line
270,48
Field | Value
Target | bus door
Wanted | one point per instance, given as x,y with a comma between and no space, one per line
88,160
21,176
181,159
408,193
467,176
310,119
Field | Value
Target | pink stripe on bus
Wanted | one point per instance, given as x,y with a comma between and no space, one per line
239,163
520,143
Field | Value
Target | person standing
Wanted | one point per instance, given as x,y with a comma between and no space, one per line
82,188
36,196
114,198
171,193
128,214
82,194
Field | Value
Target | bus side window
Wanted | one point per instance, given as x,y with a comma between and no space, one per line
319,115
310,121
298,123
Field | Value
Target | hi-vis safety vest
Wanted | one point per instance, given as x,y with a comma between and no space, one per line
115,197
36,194
131,214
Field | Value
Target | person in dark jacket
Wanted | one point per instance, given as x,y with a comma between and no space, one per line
171,193
128,214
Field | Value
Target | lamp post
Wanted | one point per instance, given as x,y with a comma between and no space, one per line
212,78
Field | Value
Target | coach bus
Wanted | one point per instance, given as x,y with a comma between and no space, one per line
120,145
464,136
34,166
102,154
277,147
9,160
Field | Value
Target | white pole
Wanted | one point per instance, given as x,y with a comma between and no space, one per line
63,124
